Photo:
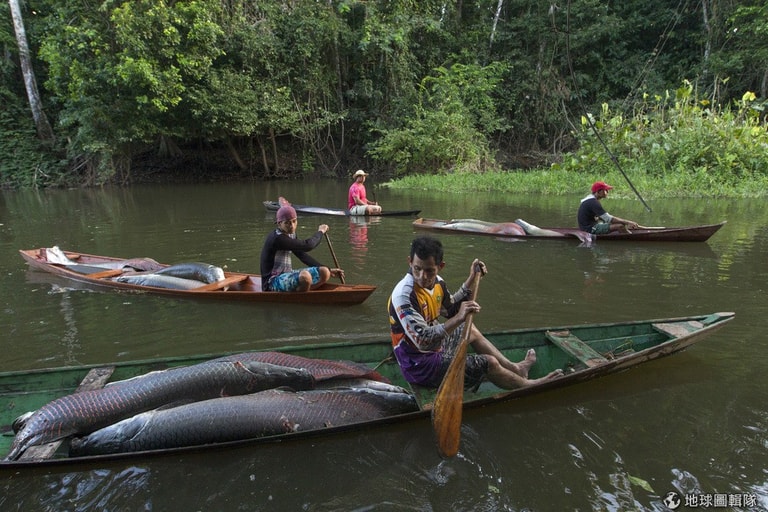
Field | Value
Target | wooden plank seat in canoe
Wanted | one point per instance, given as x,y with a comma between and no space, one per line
686,327
113,272
94,379
678,329
224,283
575,347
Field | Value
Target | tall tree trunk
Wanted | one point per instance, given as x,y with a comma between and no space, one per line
496,19
264,162
44,130
235,154
707,41
274,150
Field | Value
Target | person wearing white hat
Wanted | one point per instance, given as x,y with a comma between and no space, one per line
357,202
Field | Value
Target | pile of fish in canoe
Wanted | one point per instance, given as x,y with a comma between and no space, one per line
182,276
231,398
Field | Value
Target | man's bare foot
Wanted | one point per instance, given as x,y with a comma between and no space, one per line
525,365
551,375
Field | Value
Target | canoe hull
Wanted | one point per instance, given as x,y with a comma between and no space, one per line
242,287
619,346
667,234
273,206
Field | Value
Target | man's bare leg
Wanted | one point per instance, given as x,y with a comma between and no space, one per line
482,346
506,379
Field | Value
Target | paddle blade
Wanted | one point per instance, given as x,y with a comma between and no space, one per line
447,409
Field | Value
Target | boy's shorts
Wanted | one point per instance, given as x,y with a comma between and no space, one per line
289,281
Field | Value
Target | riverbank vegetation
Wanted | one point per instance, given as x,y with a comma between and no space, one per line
676,145
148,90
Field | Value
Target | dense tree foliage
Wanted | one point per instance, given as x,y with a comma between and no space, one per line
284,88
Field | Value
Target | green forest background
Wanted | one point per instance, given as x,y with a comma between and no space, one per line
215,89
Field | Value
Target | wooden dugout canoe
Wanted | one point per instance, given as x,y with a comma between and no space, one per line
91,270
583,352
273,206
522,230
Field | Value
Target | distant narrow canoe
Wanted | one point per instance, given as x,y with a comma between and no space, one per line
273,206
103,272
583,352
523,230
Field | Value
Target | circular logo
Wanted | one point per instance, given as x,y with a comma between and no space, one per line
672,500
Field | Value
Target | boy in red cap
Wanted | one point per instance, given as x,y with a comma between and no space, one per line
277,273
594,219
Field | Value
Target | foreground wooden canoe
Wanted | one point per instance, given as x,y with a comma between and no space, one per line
584,352
513,230
235,286
273,206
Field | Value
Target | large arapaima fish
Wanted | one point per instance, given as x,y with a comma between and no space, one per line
197,271
160,281
86,411
183,276
266,413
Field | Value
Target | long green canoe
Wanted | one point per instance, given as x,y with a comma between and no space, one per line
583,351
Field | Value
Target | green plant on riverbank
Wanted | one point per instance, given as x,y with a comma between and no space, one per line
673,146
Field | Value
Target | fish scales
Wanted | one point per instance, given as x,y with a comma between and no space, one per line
86,411
321,369
265,413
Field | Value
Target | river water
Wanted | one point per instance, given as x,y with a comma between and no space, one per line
696,422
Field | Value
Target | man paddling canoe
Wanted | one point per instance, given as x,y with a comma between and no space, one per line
424,347
277,273
593,218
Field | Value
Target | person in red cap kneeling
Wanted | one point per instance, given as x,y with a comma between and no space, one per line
277,273
594,219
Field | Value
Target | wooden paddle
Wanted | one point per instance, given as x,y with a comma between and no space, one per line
333,255
651,227
373,191
446,411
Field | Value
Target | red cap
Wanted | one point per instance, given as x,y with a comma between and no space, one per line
600,185
286,212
